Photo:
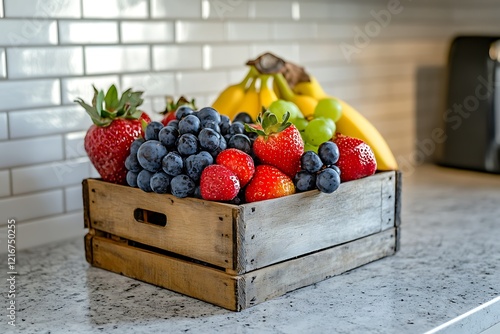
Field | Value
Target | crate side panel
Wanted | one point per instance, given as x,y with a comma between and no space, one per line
280,229
388,199
198,229
188,278
276,280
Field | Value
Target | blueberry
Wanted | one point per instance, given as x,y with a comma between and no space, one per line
208,113
150,155
335,168
211,125
132,164
195,164
189,124
182,112
236,127
132,179
135,145
168,136
304,181
207,156
160,183
172,164
224,124
182,186
143,180
240,142
187,144
310,162
209,139
152,129
222,143
174,123
329,153
328,180
197,192
243,117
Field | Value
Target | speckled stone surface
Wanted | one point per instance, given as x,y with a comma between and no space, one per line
449,263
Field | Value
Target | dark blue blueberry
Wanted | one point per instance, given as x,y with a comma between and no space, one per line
152,130
222,143
240,142
172,164
243,117
197,192
150,155
207,156
132,179
208,113
168,136
310,162
304,181
335,168
209,139
144,180
328,180
174,123
195,164
211,125
135,145
189,124
329,152
182,186
187,144
224,124
132,164
183,111
160,183
236,127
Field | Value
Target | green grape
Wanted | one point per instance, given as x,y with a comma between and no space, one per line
329,108
280,107
309,147
318,131
331,123
300,123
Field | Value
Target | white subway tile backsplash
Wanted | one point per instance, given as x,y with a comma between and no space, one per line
50,61
3,67
74,145
30,151
4,130
248,31
290,51
335,30
38,10
73,198
191,83
227,10
147,32
153,83
312,53
229,55
315,10
176,9
26,32
4,183
29,93
176,57
81,87
115,8
273,10
88,32
48,176
194,31
27,207
294,31
46,121
1,8
116,59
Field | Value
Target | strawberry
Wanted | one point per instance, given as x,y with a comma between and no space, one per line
356,158
117,123
239,163
218,183
268,182
278,144
169,113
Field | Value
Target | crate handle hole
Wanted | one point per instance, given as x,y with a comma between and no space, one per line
150,217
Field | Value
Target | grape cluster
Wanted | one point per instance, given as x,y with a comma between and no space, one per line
318,170
171,158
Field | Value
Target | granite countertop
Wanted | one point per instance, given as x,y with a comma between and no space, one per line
449,263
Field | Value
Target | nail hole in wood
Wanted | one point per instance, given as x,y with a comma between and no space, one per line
93,190
221,218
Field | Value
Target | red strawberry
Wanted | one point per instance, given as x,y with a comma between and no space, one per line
278,144
169,113
239,163
268,182
356,158
218,183
117,123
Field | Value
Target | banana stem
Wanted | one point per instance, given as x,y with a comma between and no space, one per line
264,80
283,86
250,75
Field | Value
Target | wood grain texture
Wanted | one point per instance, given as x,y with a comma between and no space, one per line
86,203
198,229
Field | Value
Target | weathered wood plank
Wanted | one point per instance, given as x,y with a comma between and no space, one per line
388,198
275,230
86,204
198,229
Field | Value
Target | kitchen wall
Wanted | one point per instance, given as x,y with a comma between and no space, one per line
384,57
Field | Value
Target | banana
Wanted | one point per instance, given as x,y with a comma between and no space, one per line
354,124
231,97
266,94
250,102
305,103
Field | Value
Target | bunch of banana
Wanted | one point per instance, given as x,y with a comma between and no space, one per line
252,94
352,124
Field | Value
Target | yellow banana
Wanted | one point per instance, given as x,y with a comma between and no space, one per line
354,124
305,103
266,94
250,102
231,97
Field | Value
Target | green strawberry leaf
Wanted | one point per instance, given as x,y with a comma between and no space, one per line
111,99
98,103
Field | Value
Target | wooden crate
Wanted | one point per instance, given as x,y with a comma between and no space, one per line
236,256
